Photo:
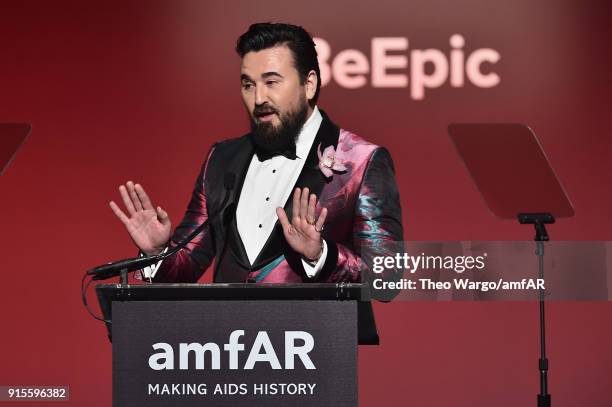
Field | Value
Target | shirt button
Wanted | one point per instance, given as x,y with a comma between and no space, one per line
267,198
260,225
273,171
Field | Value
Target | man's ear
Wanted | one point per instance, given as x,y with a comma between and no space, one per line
311,85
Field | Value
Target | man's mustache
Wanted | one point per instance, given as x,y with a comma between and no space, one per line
263,110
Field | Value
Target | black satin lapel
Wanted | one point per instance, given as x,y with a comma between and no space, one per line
236,247
238,160
311,177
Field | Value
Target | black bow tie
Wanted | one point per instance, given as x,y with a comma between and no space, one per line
288,151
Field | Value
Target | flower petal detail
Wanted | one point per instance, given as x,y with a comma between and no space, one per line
328,163
339,167
326,171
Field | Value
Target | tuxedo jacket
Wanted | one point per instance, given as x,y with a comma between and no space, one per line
363,211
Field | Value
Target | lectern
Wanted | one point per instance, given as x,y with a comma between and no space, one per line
236,344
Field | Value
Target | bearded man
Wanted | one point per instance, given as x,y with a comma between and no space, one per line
306,197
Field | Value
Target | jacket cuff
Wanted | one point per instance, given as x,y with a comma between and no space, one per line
331,260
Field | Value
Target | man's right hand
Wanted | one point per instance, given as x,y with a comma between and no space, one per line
148,227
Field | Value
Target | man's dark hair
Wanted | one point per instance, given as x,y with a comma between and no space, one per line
267,35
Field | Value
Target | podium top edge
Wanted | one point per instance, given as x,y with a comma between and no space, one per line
233,291
236,285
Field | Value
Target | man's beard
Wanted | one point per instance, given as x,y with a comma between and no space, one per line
270,138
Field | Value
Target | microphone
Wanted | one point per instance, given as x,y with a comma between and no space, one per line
116,268
228,217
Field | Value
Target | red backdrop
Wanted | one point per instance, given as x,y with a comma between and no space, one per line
140,90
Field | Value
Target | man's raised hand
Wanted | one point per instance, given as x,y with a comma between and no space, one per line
303,233
149,227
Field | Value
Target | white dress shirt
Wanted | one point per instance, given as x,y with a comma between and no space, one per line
267,186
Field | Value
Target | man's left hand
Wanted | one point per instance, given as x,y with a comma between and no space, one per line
303,233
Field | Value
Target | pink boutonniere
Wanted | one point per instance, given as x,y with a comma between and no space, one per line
328,163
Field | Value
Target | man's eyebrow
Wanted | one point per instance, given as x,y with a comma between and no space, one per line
265,75
269,74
